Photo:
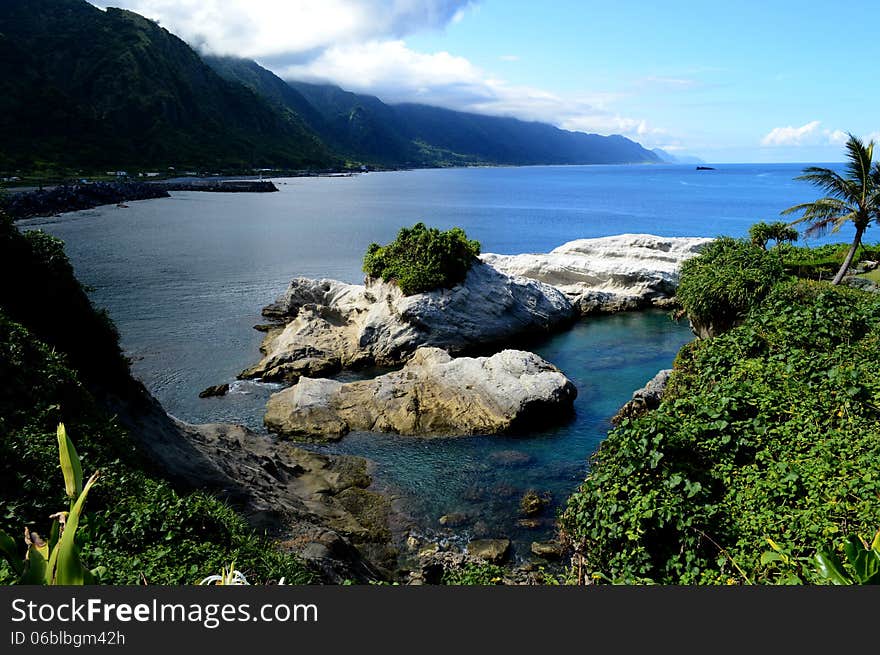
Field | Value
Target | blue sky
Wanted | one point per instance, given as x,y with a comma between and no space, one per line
747,82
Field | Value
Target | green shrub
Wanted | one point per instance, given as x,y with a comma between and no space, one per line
422,259
474,575
769,430
721,284
762,233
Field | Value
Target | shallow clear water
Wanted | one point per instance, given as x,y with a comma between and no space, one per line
185,279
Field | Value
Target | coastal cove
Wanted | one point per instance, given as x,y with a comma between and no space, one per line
184,279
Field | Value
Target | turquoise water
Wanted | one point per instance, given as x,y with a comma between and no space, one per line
185,278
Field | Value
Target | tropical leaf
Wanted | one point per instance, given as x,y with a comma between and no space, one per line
70,464
65,563
830,568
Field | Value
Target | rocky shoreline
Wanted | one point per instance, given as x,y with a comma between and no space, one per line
76,197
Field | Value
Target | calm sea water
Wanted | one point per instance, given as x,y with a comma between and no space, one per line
185,278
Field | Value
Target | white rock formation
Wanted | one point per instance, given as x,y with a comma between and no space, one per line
626,271
434,394
333,325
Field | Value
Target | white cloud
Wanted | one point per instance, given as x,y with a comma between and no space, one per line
790,136
396,73
809,134
509,57
272,28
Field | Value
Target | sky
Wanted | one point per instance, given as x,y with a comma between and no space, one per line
750,81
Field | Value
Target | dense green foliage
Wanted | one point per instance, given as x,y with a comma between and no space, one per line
726,280
767,431
56,353
422,259
474,575
862,562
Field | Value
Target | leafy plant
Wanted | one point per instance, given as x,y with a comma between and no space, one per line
58,561
863,560
422,259
474,575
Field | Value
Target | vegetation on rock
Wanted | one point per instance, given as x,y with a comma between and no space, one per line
422,259
731,276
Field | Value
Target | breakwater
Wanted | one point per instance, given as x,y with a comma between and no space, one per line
74,197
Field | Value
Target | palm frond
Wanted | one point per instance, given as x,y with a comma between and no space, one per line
858,166
831,182
821,208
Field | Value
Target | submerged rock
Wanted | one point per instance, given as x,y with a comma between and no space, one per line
607,274
489,550
453,520
331,325
434,394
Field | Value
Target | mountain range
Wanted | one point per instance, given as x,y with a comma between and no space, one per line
85,88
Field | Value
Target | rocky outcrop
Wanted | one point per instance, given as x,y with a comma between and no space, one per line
644,399
331,325
318,506
434,394
215,390
607,274
324,326
73,197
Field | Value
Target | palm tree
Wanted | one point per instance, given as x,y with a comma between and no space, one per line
854,198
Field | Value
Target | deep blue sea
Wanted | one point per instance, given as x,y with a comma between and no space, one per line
185,279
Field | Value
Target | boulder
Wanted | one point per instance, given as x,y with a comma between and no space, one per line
644,399
433,394
214,390
607,274
325,325
489,550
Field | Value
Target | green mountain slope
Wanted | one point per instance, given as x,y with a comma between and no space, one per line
364,128
511,141
85,87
